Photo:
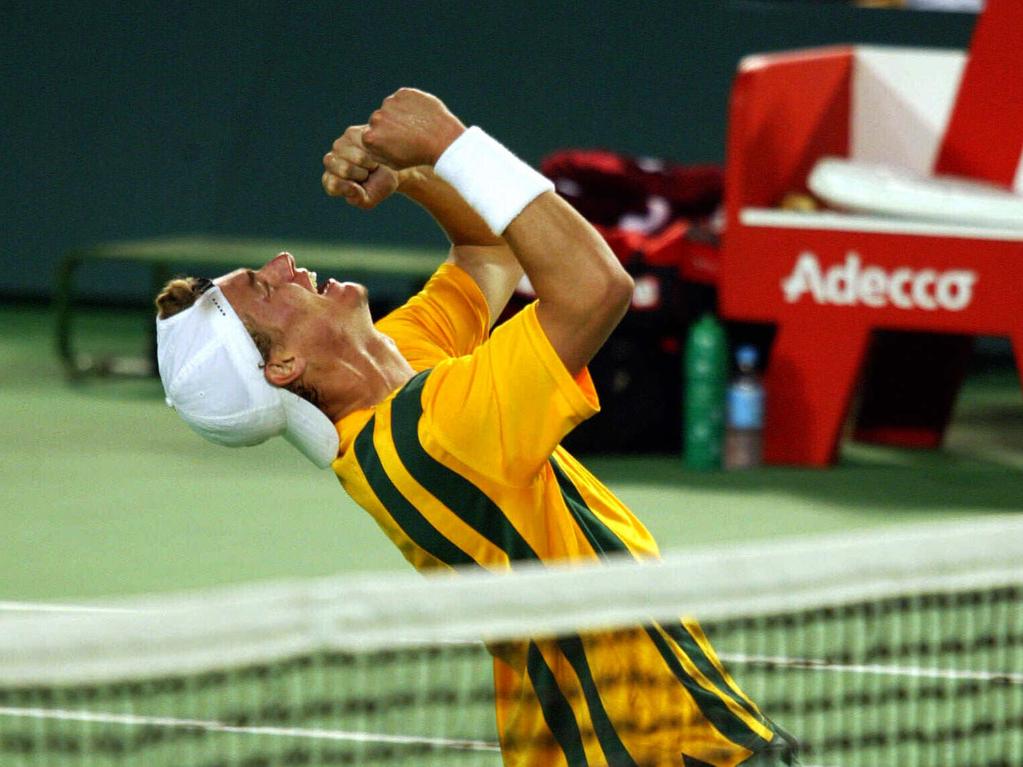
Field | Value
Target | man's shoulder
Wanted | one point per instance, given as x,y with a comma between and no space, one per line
447,318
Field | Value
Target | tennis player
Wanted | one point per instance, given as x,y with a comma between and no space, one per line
449,435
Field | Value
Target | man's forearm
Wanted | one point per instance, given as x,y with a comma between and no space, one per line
567,261
486,257
582,288
460,222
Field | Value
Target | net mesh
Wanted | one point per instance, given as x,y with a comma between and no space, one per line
901,648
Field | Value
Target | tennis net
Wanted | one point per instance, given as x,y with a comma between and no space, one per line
898,647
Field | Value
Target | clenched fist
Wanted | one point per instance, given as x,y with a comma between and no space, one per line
410,128
351,173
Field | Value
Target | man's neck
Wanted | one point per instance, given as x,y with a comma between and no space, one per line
364,377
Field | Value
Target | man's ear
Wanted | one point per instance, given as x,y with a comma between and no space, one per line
281,371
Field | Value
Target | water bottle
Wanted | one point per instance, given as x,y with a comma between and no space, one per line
706,375
745,432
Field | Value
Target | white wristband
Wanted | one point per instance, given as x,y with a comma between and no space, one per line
496,183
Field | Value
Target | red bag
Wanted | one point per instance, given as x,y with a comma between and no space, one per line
655,215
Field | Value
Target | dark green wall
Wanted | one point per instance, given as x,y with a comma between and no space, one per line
125,119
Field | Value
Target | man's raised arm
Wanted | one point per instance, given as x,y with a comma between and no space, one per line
582,289
350,172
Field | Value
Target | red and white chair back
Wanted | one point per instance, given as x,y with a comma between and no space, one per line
828,279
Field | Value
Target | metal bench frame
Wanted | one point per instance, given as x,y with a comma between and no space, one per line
163,255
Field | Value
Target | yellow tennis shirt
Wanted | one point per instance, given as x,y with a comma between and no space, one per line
462,467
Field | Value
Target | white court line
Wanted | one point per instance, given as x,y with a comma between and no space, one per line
813,664
49,607
215,726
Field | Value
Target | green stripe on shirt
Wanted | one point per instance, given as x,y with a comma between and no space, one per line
711,705
691,647
601,537
449,487
557,711
405,514
607,735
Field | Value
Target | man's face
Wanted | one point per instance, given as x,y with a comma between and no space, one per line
305,319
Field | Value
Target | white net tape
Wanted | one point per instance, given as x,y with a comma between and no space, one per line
258,623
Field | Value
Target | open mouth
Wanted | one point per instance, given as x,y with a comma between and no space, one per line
314,284
326,286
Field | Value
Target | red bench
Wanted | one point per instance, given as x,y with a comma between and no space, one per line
827,280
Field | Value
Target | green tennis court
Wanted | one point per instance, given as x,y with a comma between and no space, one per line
106,492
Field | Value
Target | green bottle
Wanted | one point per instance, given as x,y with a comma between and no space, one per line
706,374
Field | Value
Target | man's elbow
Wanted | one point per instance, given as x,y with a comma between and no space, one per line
625,287
618,292
597,291
604,298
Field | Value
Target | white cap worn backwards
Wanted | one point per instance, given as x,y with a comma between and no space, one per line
212,375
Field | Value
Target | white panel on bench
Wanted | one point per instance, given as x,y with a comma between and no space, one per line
891,191
902,99
845,222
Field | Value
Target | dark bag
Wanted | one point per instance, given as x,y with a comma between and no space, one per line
661,220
